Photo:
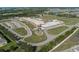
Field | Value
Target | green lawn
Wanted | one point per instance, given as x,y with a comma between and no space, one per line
56,31
21,31
35,38
71,21
72,41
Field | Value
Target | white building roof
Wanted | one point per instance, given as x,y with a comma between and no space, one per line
48,24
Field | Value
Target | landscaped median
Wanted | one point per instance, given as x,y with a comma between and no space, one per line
57,40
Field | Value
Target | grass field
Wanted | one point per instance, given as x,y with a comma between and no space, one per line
35,38
71,21
21,31
56,31
72,41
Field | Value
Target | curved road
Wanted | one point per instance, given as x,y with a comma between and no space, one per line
29,33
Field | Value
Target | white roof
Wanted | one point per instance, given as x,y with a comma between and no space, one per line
48,24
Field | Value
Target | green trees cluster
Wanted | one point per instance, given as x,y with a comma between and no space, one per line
21,12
